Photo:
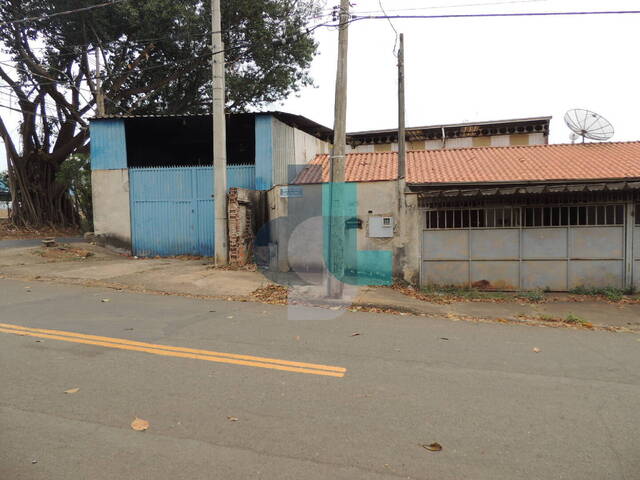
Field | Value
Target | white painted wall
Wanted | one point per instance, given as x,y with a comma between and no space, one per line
111,213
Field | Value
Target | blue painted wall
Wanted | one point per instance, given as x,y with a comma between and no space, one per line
108,145
264,152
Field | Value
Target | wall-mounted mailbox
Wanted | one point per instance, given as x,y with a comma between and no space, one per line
353,222
381,226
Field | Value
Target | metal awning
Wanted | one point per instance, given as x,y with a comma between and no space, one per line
477,193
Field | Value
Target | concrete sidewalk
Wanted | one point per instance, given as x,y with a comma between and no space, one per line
196,277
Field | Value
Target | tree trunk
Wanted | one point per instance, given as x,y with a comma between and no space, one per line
37,199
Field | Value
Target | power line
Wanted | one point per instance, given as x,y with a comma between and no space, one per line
461,5
488,15
395,43
66,12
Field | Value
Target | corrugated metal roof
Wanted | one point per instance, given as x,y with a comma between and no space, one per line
539,163
297,121
454,125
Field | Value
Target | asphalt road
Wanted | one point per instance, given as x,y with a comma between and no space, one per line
499,409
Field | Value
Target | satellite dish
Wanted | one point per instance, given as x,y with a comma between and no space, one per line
587,124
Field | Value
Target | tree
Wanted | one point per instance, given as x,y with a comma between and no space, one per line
155,59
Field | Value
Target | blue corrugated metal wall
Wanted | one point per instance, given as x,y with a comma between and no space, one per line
172,208
108,144
264,152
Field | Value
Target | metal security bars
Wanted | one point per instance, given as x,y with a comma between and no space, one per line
501,217
515,217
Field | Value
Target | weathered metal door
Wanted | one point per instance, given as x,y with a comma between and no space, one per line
172,208
636,248
556,247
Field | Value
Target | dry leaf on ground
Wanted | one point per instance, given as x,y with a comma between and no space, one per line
72,390
432,447
233,419
105,300
355,334
139,425
536,350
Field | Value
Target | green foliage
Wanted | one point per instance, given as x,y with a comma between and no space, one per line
463,293
575,319
610,293
535,296
75,176
157,52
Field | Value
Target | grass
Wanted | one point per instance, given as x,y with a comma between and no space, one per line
469,293
464,293
534,296
575,320
610,293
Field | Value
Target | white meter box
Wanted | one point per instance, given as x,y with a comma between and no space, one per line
381,226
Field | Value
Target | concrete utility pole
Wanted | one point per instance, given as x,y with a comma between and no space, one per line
99,95
219,137
402,149
336,171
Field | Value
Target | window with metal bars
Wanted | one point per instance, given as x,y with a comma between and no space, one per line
575,216
512,217
499,217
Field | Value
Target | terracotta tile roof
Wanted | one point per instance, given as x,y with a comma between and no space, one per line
593,161
360,167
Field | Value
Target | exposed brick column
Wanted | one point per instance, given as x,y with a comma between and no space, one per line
241,226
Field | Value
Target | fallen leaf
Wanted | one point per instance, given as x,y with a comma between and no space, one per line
105,300
355,334
72,390
536,350
232,419
139,425
34,461
444,338
432,447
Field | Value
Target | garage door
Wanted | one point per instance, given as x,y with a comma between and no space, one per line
507,248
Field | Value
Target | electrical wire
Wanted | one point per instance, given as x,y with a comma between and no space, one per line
489,15
460,5
395,43
66,12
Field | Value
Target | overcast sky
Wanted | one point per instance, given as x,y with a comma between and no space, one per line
464,70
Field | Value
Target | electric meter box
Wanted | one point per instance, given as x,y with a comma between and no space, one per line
380,227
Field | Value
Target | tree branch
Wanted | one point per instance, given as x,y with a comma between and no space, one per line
8,142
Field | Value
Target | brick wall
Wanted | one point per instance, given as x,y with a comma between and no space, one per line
241,224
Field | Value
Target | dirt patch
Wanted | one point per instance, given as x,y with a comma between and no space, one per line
8,231
250,267
62,253
448,296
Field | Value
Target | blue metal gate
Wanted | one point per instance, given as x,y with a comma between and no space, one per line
172,209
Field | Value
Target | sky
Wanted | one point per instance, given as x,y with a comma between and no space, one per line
466,70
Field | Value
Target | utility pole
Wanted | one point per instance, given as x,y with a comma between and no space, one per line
99,95
402,148
336,170
219,137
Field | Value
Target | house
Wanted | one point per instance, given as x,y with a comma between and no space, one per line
496,133
540,216
152,176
